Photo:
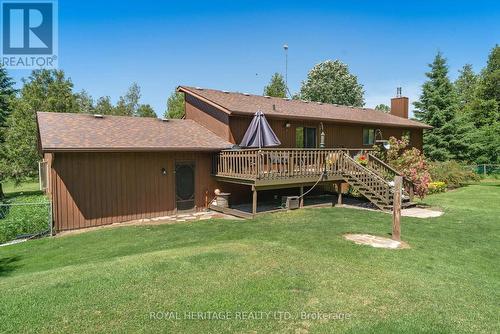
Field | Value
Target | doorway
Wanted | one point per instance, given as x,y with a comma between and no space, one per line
184,185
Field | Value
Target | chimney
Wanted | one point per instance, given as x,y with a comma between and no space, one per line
399,105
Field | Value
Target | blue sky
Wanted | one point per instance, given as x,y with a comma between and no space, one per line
104,46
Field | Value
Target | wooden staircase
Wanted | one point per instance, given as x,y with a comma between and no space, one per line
372,181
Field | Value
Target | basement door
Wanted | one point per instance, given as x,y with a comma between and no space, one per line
184,185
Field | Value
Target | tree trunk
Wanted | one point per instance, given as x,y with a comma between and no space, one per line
1,192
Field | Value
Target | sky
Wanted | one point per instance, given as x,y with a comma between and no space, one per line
104,46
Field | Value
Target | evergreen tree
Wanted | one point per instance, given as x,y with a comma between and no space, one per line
7,95
437,107
484,113
175,105
276,86
465,85
331,82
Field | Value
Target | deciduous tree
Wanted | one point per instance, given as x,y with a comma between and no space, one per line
175,105
331,82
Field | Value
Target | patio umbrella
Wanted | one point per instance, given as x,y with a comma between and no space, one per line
259,133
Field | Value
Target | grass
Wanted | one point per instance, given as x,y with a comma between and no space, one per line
110,280
16,219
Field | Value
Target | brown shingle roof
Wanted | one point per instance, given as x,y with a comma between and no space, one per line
247,104
83,132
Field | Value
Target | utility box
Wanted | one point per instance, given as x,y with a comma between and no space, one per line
290,202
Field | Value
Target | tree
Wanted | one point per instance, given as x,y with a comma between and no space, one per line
437,107
104,106
466,85
175,105
129,103
49,90
383,107
84,102
44,90
331,82
20,150
276,86
145,110
483,113
7,95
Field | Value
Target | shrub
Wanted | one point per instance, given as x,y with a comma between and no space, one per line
452,173
410,162
437,187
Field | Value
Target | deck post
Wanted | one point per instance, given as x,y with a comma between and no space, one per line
301,202
396,209
254,201
339,193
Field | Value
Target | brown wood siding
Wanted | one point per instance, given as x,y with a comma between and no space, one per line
92,189
336,135
208,116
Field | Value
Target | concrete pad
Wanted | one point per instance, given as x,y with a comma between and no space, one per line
421,213
375,241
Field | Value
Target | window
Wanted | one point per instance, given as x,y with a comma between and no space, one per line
368,136
305,137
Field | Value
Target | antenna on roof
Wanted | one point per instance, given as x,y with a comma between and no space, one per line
285,47
398,92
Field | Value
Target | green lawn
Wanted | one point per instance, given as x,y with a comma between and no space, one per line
17,219
110,280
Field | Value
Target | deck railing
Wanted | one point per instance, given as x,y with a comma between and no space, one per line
266,163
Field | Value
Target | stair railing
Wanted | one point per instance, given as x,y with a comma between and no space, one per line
388,172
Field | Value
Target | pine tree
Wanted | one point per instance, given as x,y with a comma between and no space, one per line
437,107
276,87
7,95
466,84
484,113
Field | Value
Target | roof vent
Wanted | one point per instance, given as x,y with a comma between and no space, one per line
274,107
246,94
164,119
267,96
319,102
98,116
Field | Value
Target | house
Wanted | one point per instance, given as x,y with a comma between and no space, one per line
108,169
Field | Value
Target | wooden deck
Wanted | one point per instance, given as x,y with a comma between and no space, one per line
281,168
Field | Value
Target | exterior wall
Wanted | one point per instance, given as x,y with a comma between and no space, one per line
336,135
92,189
208,116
